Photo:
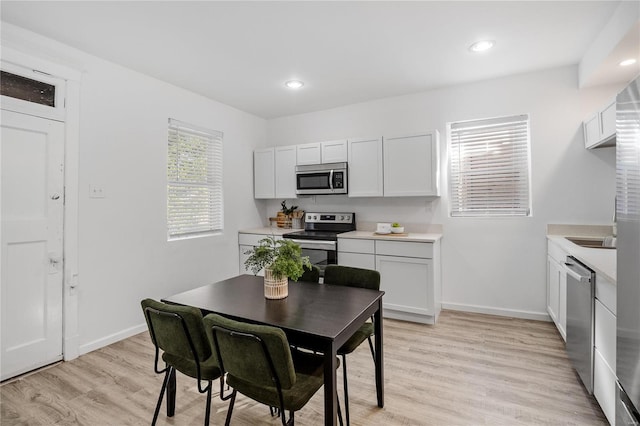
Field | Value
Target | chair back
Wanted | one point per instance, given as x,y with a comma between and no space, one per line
352,277
177,330
310,275
255,354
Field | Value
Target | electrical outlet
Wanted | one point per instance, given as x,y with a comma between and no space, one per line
96,191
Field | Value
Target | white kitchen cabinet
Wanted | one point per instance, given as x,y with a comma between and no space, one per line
600,128
411,165
365,167
333,151
264,173
409,274
557,287
309,153
285,172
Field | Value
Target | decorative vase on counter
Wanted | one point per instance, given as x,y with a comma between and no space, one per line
275,288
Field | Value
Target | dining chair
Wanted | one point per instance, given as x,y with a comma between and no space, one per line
179,332
259,363
353,277
310,275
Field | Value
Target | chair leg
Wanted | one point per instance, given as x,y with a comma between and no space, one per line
227,422
340,413
207,413
346,388
162,389
171,393
373,352
291,420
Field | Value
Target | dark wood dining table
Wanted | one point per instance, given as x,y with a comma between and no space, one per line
320,317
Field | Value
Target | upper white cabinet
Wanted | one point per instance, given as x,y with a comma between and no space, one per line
365,167
333,151
285,172
411,165
309,153
274,172
264,185
322,152
600,128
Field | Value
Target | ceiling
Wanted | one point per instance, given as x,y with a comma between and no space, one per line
241,53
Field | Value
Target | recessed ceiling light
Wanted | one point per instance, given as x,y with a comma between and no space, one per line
294,84
482,45
627,62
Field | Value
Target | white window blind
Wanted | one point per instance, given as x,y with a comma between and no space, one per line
194,181
489,167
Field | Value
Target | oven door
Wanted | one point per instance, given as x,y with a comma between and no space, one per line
321,253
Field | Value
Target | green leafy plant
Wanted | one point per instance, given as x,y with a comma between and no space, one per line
283,257
286,210
395,225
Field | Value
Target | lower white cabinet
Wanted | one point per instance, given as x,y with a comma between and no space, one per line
409,274
557,287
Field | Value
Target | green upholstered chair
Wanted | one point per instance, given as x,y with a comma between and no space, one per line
353,277
260,364
310,275
179,332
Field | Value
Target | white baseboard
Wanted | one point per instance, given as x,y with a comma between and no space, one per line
113,338
513,313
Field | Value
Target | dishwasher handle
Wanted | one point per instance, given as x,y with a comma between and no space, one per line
575,275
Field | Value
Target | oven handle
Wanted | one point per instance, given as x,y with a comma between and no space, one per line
311,244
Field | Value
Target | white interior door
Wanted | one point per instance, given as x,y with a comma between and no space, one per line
32,208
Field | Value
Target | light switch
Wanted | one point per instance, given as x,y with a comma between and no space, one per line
96,191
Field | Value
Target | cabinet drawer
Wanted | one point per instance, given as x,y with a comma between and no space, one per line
405,249
604,386
605,339
252,239
356,246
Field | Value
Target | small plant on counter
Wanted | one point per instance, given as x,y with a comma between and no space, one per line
287,210
283,257
396,225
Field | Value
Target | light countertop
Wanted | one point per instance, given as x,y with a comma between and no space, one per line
412,236
602,261
266,230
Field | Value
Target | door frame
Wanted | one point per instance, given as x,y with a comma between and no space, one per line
70,115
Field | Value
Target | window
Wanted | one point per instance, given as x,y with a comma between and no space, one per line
489,167
194,181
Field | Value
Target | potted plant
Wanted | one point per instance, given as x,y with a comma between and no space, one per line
281,260
284,215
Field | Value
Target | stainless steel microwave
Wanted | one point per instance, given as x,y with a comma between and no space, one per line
329,178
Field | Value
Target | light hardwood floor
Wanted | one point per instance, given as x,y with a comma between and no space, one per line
469,369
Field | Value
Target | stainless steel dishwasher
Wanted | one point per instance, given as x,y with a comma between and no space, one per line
580,319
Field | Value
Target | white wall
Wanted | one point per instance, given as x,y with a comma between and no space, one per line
124,255
492,265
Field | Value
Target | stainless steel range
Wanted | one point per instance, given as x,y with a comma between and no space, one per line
319,240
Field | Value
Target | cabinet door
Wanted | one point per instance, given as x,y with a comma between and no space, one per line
591,128
264,173
407,283
365,167
553,288
608,121
334,151
308,153
411,165
285,172
562,303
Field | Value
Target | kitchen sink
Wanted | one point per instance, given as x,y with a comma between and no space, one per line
601,243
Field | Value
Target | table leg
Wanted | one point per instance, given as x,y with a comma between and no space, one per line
171,393
377,320
330,389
